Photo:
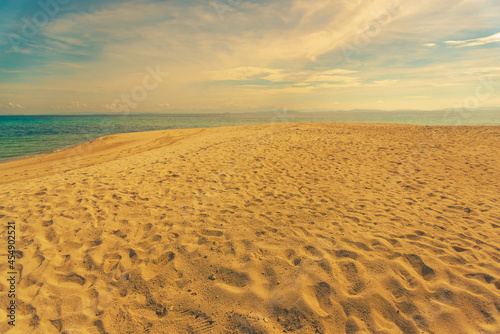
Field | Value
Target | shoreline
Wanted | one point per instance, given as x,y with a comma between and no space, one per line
71,146
34,155
291,117
76,153
64,158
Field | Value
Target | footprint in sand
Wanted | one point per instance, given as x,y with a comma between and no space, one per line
355,283
110,262
397,289
420,267
71,278
191,321
232,277
323,292
212,233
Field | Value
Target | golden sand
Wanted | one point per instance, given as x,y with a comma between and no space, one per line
296,228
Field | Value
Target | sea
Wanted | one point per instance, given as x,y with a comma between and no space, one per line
29,135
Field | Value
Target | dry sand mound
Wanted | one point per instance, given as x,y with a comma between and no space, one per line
296,228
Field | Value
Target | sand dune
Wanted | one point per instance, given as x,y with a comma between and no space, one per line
279,228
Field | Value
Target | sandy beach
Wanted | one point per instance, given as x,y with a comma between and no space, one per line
277,228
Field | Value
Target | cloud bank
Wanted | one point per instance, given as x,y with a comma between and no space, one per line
304,55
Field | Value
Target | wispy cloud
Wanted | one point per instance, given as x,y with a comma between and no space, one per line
264,53
66,64
418,97
388,82
246,73
476,41
281,75
11,105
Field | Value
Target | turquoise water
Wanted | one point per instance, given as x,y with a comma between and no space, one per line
30,135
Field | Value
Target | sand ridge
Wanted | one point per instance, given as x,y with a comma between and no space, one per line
97,151
298,228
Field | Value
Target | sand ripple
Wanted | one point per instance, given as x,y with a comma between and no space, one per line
298,228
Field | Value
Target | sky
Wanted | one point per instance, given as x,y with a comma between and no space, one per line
195,56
